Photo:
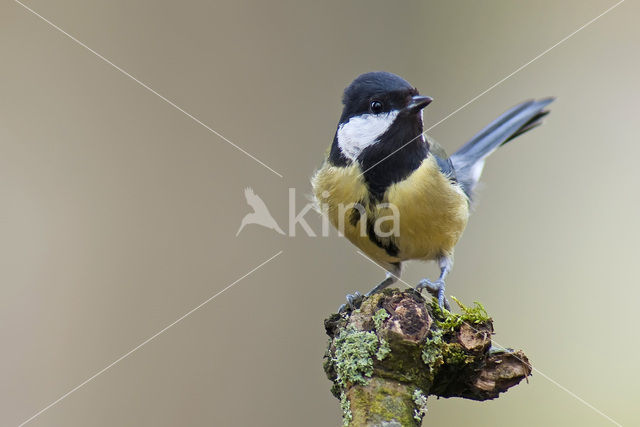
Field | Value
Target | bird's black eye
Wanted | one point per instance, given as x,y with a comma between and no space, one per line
376,107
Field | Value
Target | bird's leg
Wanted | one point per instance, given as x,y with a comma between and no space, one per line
354,300
437,288
388,281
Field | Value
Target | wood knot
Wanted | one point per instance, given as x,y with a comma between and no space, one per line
475,338
409,319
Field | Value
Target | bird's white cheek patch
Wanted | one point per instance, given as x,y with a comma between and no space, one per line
363,131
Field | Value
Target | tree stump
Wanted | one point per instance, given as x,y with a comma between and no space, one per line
388,356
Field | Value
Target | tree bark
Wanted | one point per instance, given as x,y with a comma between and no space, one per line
388,356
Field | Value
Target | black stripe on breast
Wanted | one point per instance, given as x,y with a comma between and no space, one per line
384,243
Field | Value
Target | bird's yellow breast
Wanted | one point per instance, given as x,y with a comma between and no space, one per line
432,211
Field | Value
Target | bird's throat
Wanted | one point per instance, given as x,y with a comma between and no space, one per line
399,152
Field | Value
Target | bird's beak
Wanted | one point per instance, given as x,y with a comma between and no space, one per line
417,103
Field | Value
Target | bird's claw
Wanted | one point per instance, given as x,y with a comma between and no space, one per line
353,302
436,289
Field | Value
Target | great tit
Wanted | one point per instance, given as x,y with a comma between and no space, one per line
391,190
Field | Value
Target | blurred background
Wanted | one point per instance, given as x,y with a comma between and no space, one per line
118,213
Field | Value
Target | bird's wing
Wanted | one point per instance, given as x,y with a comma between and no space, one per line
441,156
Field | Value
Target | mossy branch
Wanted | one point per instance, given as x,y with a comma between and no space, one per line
387,357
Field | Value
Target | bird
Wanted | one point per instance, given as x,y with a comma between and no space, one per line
260,215
392,191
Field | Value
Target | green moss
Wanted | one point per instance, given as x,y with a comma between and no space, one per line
347,416
353,356
454,354
475,314
442,353
383,350
449,321
378,318
382,401
420,400
441,350
404,362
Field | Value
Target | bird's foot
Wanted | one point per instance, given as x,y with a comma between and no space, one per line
436,289
354,301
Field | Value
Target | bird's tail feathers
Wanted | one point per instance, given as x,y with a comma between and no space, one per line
469,160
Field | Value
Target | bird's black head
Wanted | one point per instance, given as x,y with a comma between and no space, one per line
380,92
382,113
